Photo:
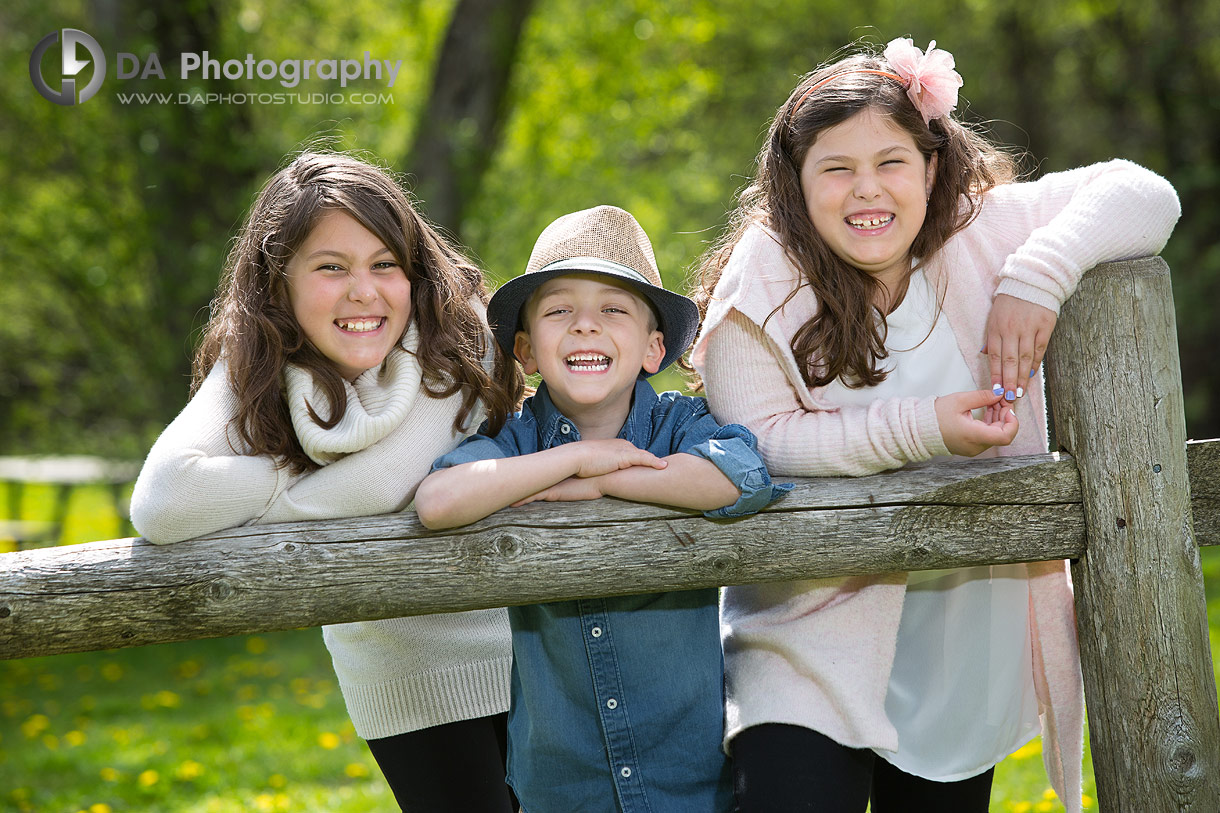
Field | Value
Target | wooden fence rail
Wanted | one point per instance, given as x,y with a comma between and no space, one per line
1120,506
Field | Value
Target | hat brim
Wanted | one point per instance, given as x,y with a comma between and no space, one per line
677,316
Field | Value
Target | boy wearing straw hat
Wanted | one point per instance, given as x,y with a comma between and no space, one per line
617,704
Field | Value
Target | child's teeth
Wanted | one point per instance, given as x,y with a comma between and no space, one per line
360,325
870,222
588,361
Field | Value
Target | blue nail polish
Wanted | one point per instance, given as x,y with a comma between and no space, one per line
1031,373
1010,396
996,389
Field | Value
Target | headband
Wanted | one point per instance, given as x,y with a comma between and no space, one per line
929,79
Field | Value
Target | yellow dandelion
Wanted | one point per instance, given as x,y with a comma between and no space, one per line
328,740
112,671
50,741
188,770
1032,748
189,669
109,775
1049,794
99,807
1086,801
148,778
75,738
264,801
1044,806
245,713
277,780
35,725
356,770
256,645
1022,807
167,699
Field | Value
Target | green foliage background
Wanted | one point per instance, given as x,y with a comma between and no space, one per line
117,217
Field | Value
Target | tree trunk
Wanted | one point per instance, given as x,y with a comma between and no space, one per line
460,126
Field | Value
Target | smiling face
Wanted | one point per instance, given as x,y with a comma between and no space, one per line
866,187
589,336
349,295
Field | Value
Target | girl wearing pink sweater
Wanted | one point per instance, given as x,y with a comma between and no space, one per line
883,280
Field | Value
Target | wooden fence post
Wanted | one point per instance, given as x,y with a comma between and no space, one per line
1115,386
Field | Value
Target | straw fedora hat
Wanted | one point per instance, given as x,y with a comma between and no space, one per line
603,240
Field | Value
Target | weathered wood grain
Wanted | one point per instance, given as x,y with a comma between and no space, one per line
1116,386
128,592
268,577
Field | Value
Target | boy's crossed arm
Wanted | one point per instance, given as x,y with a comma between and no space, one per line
582,470
686,481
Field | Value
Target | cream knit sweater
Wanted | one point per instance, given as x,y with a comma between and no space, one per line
396,675
818,653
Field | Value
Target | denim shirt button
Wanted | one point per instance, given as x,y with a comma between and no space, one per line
625,772
612,704
564,429
596,632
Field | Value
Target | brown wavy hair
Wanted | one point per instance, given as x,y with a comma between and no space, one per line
253,327
845,339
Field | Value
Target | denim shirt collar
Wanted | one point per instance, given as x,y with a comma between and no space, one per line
551,422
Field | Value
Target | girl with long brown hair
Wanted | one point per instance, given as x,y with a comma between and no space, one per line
883,279
347,349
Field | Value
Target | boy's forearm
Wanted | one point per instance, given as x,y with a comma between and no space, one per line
466,493
686,482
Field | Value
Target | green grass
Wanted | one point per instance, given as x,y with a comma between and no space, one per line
250,723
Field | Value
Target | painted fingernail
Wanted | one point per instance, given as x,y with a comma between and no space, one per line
984,350
1020,392
996,389
1010,396
1031,373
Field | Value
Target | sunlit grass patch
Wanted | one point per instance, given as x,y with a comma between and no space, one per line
198,726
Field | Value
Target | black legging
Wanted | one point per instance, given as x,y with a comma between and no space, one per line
779,768
453,767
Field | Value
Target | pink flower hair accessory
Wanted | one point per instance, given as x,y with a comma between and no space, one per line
930,79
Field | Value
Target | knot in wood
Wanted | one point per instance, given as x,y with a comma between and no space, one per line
1182,761
220,590
291,547
508,545
5,612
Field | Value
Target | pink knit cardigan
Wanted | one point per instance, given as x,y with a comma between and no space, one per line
818,653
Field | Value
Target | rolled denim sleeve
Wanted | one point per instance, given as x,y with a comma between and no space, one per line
734,450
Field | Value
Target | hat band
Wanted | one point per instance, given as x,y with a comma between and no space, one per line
596,265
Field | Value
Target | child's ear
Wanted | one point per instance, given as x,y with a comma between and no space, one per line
654,353
523,349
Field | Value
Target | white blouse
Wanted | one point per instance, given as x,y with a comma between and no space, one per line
961,692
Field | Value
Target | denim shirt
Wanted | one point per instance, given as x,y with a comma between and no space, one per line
618,703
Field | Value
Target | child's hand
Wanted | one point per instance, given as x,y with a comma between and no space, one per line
569,490
604,456
965,435
1017,334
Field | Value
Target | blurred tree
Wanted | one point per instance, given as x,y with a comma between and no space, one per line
117,215
459,127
